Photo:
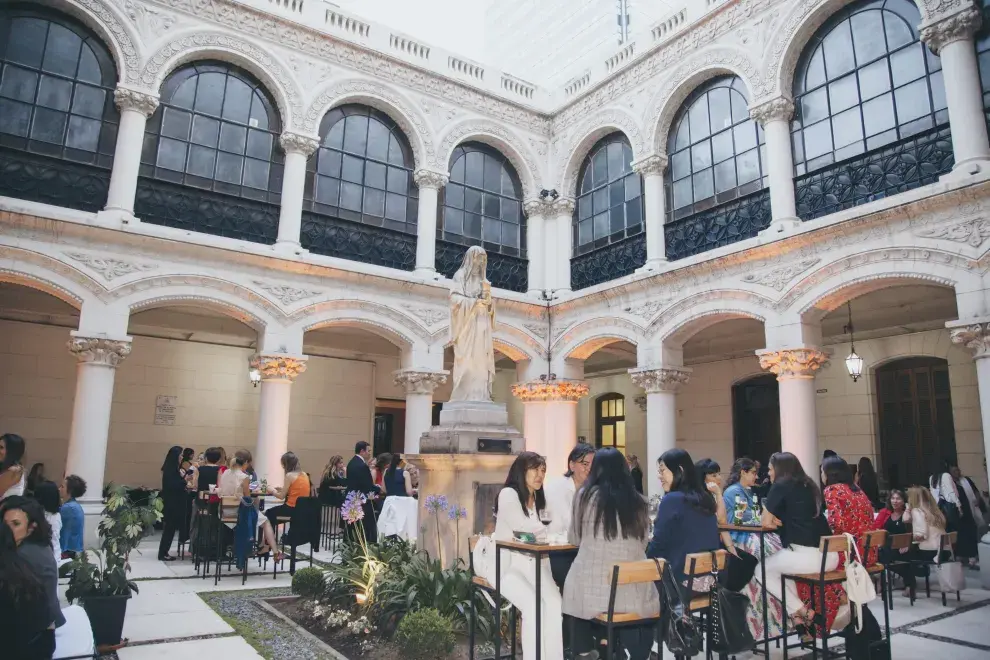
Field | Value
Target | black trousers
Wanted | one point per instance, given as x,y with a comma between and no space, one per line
171,519
273,513
638,640
41,647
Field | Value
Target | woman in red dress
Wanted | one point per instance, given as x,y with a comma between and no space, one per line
849,512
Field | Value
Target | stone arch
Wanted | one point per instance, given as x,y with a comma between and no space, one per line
590,132
381,97
703,66
390,324
681,321
499,138
586,337
45,273
196,45
44,284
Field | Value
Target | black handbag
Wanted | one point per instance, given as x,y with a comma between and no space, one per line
739,570
680,632
728,632
951,513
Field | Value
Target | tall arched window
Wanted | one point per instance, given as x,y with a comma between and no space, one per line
216,128
610,197
610,421
716,151
983,52
482,203
864,81
56,87
363,170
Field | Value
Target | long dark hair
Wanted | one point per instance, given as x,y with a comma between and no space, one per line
35,476
738,467
787,468
171,461
837,471
617,503
868,480
393,465
687,480
42,534
17,580
15,450
516,480
46,492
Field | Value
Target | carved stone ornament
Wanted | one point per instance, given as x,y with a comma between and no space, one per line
660,380
651,165
419,382
975,337
972,232
131,99
430,179
962,25
538,329
793,362
285,294
427,315
563,389
778,109
109,268
565,206
538,208
640,401
278,367
97,350
778,278
298,143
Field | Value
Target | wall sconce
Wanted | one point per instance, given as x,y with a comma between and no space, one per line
254,376
854,363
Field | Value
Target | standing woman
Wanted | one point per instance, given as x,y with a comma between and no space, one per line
866,479
48,496
636,472
35,477
11,471
397,482
173,496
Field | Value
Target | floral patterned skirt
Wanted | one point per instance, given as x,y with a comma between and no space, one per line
775,611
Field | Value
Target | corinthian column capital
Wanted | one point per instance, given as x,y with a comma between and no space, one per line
961,25
780,108
973,336
660,380
537,207
651,165
298,143
127,98
793,362
417,381
565,206
99,350
430,179
278,367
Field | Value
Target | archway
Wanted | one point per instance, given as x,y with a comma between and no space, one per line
914,409
756,418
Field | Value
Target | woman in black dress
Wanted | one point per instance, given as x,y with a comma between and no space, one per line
173,496
636,472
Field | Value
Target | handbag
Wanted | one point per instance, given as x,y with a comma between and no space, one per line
950,576
859,584
680,631
951,513
866,643
739,570
483,558
728,632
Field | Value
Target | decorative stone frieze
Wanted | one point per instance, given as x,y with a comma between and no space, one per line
298,143
778,278
429,315
278,367
660,380
972,232
778,109
563,389
127,98
793,362
286,294
108,267
961,25
565,206
975,337
537,207
651,165
99,350
430,179
416,381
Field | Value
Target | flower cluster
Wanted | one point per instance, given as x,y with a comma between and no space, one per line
436,503
353,509
457,513
360,626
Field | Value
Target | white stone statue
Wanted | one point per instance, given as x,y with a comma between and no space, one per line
472,319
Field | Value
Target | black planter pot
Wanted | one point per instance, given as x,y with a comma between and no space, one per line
106,615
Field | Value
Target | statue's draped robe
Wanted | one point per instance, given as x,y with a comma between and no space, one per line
471,335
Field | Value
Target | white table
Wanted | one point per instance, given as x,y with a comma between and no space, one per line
399,517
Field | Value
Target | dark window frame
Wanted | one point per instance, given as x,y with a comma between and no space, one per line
602,421
591,192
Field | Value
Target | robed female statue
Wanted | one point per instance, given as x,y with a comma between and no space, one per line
472,319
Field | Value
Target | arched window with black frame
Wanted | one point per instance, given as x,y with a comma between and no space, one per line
983,55
610,421
58,121
360,197
211,162
716,180
608,213
870,111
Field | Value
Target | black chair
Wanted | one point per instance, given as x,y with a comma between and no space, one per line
484,585
304,527
946,552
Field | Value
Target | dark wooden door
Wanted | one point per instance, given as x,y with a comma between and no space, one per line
756,418
914,405
383,433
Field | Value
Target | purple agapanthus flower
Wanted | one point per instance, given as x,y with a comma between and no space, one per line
353,509
436,503
457,513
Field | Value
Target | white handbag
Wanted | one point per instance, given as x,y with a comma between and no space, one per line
950,576
483,558
859,583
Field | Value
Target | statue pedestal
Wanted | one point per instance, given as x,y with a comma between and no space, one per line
472,427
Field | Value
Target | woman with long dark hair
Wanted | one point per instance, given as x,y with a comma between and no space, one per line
173,496
35,476
609,526
50,499
25,624
396,482
333,483
867,480
12,480
518,509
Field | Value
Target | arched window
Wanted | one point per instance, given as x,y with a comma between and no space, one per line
983,52
56,87
610,421
482,203
716,151
363,170
864,81
215,128
610,197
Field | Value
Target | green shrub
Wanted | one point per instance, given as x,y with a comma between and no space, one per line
425,635
308,582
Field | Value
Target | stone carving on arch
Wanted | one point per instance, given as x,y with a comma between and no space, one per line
591,131
510,145
381,97
586,337
703,66
397,327
43,284
193,299
689,316
226,294
113,29
73,283
198,45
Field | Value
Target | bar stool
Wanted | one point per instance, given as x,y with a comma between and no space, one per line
627,573
486,587
696,566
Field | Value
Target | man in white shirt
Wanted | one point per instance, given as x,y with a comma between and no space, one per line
560,493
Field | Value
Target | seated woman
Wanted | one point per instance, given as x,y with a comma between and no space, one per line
235,482
72,517
396,482
896,519
333,484
686,521
25,626
296,485
609,526
928,523
709,472
518,510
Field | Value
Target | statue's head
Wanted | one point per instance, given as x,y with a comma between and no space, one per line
476,261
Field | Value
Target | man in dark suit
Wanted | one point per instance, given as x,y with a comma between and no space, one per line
359,480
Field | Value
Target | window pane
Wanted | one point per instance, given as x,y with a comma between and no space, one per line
259,114
88,101
600,167
838,51
472,200
395,207
608,439
510,235
698,116
585,233
89,68
374,202
817,140
205,131
878,114
350,196
898,32
632,186
374,175
704,185
398,180
846,128
327,190
171,154
722,146
492,230
720,114
329,163
616,193
15,118
867,27
615,159
601,225
209,93
378,137
472,225
259,144
725,176
680,165
352,169
620,434
907,64
912,101
256,173
814,107
815,75
938,91
27,41
843,94
454,195
54,93
740,110
600,197
61,50
634,213
874,79
83,134
510,211
748,166
335,136
701,156
745,136
474,174
683,132
19,84
492,206
237,100
493,175
616,219
201,161
453,221
232,138
356,134
682,193
49,126
229,167
396,154
584,207
508,187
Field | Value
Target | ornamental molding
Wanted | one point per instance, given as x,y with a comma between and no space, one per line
538,208
99,350
285,294
580,340
779,277
131,99
563,389
390,322
151,22
685,309
973,232
778,109
660,380
52,266
572,149
975,337
429,315
648,309
129,69
641,401
565,206
240,296
508,143
278,366
108,267
430,180
651,165
793,362
415,381
961,25
298,143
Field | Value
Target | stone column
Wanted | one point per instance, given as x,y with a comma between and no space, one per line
775,117
951,39
795,370
135,108
559,245
550,418
87,457
976,337
652,169
538,242
661,387
419,386
298,148
278,372
429,184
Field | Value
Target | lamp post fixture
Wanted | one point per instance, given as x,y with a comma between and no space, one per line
854,363
254,376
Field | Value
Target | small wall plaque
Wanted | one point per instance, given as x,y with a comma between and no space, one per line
165,406
494,446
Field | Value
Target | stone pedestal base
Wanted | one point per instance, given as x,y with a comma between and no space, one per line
483,413
464,439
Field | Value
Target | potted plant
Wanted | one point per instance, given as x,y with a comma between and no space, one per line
103,587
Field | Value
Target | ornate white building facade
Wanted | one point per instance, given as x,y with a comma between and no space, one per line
190,190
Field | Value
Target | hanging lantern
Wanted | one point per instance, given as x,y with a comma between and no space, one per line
854,363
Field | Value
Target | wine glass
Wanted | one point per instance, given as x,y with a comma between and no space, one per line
546,517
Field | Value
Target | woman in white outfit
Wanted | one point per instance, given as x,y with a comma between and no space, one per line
235,482
518,510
